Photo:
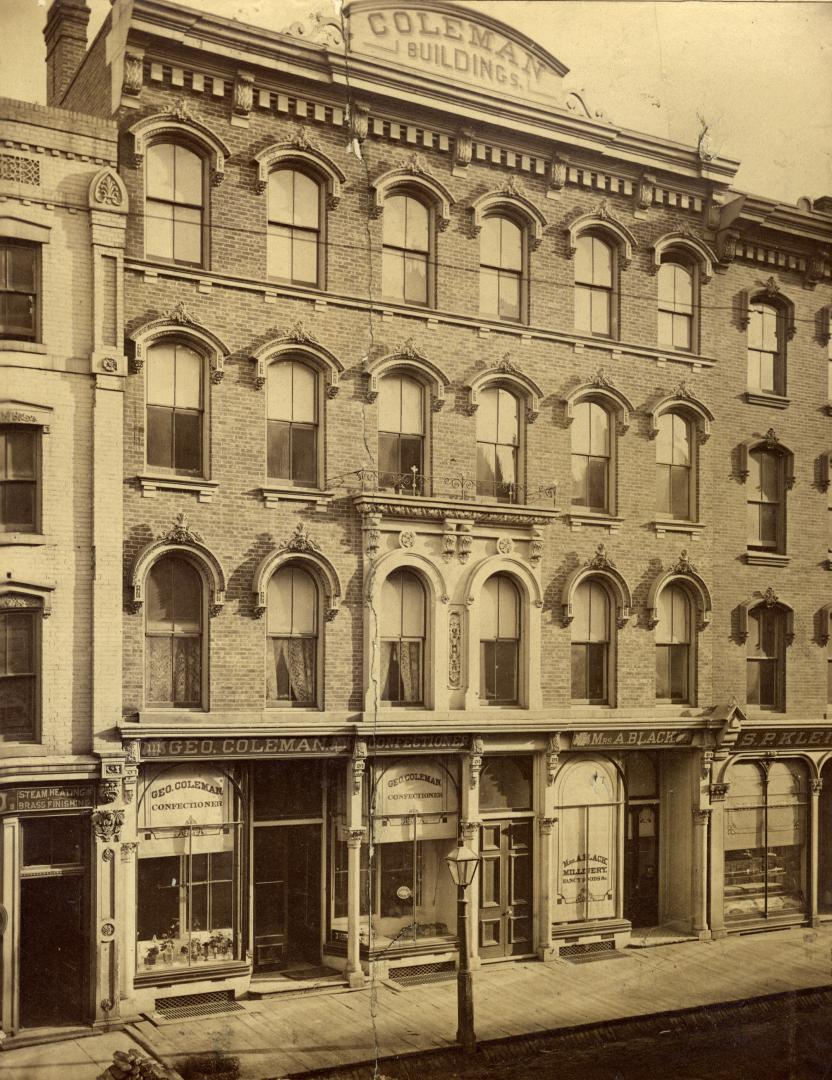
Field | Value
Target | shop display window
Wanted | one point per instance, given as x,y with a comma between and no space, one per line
188,872
765,841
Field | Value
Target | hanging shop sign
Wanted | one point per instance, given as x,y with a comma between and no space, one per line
394,743
177,796
775,738
47,797
255,746
466,47
631,737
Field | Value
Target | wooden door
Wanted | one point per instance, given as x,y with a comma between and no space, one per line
505,889
641,865
270,872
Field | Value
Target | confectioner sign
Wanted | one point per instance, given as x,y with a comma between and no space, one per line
414,786
47,797
185,795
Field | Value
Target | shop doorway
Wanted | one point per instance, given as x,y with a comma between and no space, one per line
506,905
641,898
286,869
53,946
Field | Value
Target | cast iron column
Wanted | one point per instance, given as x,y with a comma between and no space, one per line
464,985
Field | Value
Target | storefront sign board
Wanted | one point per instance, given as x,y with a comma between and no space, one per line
47,797
196,796
777,738
419,742
245,747
631,737
414,786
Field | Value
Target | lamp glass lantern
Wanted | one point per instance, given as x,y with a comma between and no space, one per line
462,864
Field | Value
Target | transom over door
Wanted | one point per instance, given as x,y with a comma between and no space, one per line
505,916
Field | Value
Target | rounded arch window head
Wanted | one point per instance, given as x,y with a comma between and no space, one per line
601,222
771,296
769,442
686,249
506,375
179,324
407,359
298,345
767,600
602,390
512,203
180,125
303,155
181,539
600,567
414,179
688,405
684,574
298,551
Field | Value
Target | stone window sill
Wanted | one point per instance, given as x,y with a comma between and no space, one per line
152,485
693,529
274,494
766,558
772,401
21,539
578,519
15,345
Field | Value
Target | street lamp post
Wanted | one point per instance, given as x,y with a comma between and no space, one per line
462,864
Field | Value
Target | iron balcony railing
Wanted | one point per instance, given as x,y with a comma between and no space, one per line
454,486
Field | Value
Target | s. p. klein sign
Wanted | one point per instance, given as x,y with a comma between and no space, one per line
460,45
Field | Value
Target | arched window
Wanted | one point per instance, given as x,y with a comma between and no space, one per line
594,286
500,642
766,350
402,623
591,643
174,202
294,242
501,269
673,645
401,433
175,408
292,630
674,489
498,444
405,266
173,634
676,304
766,509
292,423
591,450
766,658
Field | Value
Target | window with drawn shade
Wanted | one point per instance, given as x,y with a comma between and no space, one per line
292,631
173,634
174,409
294,227
673,467
765,658
17,674
405,250
673,634
501,268
293,423
590,456
590,642
498,441
765,358
676,306
593,286
19,288
402,624
499,642
401,434
18,478
764,500
174,199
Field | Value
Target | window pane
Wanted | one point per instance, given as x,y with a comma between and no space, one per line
304,455
511,253
22,260
17,314
583,259
388,457
684,289
664,439
279,390
279,464
304,603
304,257
187,234
663,671
159,437
768,525
665,328
490,240
506,461
768,684
581,428
412,408
161,366
395,212
188,177
18,506
600,317
505,674
392,274
307,201
663,504
279,253
666,285
17,707
508,428
509,615
186,670
509,285
281,196
416,279
188,379
279,603
597,483
769,329
413,606
679,672
579,671
487,415
596,671
599,430
416,231
187,442
580,612
489,607
681,440
580,469
601,263
390,619
766,380
303,394
19,636
769,477
158,230
160,173
489,293
599,612
20,453
682,331
680,494
187,597
488,689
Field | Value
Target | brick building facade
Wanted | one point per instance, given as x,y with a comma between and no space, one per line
475,482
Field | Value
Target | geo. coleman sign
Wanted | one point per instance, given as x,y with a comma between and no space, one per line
245,747
179,795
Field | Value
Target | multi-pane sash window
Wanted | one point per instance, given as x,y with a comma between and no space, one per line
675,306
673,645
173,632
764,498
405,250
498,439
765,657
292,629
499,642
590,456
17,674
590,642
401,434
593,285
18,478
19,283
293,423
673,466
402,624
294,227
174,408
501,268
764,352
174,201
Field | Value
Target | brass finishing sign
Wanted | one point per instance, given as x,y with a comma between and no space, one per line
631,737
47,797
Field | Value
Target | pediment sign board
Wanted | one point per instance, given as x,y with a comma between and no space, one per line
456,45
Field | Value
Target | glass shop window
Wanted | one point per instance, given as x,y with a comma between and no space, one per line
506,784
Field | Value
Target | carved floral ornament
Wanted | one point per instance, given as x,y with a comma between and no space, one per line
302,550
107,192
17,595
180,537
301,150
107,825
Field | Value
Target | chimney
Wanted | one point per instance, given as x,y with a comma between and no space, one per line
66,43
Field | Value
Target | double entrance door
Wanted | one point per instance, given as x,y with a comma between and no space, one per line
505,888
286,883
